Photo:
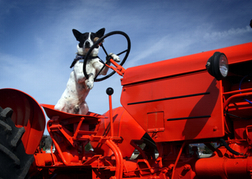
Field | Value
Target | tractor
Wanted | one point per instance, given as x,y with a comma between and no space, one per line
172,112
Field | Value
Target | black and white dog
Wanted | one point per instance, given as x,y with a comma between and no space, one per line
78,87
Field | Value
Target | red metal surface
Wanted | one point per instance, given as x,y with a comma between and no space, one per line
70,131
224,166
125,127
178,104
111,117
117,68
180,94
27,113
185,64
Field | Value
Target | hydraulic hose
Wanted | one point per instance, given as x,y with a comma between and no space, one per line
228,148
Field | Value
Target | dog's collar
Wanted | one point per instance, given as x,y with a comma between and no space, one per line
79,57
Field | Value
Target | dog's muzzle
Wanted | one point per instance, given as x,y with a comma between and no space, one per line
87,44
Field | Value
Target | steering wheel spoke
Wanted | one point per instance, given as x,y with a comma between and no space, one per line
122,52
104,49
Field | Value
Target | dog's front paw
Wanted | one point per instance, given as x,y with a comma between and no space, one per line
115,57
89,84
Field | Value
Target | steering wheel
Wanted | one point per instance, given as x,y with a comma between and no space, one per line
118,66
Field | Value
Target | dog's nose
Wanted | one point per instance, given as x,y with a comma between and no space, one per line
87,44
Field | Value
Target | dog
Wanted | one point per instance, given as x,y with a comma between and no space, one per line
73,99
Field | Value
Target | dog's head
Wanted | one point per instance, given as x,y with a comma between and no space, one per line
86,40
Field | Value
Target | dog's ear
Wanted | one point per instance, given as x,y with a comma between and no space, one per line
100,32
77,34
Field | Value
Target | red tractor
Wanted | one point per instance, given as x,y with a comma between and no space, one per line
171,111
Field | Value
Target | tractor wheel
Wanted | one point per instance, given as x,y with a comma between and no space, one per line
14,162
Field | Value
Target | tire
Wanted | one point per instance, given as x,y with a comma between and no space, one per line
14,162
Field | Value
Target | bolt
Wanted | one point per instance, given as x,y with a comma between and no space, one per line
170,167
187,167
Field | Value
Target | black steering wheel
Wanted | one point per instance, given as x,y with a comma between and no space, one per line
99,42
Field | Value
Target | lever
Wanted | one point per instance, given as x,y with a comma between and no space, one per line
109,92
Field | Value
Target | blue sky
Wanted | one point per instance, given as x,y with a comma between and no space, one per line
37,45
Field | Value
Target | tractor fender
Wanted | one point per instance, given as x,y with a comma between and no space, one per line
27,113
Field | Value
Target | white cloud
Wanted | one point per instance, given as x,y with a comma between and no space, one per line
227,33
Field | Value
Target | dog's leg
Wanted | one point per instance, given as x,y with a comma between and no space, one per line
90,81
83,108
97,66
78,73
115,57
92,69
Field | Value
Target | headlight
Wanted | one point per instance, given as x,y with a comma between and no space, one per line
217,65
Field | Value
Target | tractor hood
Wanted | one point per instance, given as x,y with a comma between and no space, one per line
182,65
170,98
